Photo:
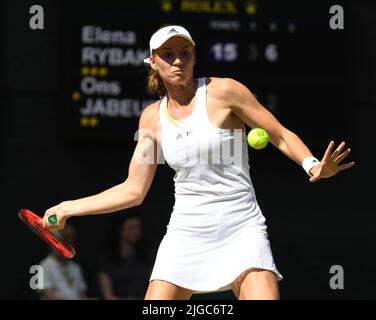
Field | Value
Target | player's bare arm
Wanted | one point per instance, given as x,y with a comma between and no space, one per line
245,106
127,194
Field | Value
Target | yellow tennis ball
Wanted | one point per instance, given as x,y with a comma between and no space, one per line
257,138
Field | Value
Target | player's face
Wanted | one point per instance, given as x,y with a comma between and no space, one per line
175,60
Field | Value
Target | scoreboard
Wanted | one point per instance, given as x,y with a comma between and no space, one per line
285,52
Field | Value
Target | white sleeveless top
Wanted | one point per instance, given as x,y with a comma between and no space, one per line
215,212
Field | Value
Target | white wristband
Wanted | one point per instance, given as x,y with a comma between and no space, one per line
309,163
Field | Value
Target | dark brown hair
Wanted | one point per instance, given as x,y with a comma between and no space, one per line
155,85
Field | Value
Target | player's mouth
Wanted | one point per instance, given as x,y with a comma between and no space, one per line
178,72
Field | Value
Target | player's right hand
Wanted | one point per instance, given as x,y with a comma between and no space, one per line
60,211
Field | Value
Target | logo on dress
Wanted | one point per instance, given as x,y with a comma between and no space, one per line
181,135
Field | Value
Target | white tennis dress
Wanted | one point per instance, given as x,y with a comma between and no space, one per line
216,229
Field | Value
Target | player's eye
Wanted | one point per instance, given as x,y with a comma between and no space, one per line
167,55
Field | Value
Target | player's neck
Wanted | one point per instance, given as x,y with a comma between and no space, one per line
181,96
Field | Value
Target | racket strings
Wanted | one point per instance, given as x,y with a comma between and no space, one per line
54,239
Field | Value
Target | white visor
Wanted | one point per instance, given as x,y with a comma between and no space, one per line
163,34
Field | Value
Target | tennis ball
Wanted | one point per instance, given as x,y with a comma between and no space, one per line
257,138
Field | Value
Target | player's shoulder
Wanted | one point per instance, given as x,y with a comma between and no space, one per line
150,114
151,109
224,85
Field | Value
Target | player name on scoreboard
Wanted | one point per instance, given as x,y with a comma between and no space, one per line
110,56
108,60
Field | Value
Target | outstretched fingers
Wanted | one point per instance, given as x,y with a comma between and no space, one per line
342,156
346,166
328,151
338,150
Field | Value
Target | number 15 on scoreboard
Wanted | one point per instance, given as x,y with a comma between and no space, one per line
224,52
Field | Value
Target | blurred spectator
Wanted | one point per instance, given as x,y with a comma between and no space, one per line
125,266
63,279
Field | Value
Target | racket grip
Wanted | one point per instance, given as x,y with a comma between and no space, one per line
52,219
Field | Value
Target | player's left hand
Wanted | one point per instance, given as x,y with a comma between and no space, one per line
330,163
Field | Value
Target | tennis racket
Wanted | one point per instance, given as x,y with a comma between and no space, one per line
54,239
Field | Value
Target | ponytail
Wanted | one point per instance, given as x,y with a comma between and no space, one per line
155,85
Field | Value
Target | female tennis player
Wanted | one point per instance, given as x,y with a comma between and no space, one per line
216,237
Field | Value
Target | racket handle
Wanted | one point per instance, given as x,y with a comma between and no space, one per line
52,219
